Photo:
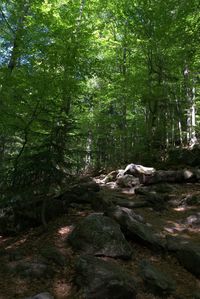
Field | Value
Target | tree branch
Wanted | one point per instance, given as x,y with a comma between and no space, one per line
6,21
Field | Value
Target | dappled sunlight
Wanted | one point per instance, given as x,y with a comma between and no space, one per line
175,227
184,208
62,289
65,231
128,191
17,243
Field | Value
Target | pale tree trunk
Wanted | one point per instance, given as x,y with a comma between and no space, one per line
88,149
191,113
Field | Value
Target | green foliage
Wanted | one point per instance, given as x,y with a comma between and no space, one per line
93,82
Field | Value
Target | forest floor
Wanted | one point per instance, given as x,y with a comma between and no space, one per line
28,247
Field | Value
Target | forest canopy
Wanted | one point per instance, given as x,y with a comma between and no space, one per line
95,83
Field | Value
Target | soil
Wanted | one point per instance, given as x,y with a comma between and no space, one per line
29,244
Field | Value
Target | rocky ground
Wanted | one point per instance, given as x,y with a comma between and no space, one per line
142,242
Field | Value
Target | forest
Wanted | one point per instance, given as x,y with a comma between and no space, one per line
99,127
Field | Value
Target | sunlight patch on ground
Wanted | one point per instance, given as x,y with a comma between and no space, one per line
17,243
62,289
175,227
65,231
184,208
129,191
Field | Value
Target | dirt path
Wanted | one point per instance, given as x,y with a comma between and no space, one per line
28,246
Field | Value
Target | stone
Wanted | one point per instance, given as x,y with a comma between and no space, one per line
110,177
85,187
134,226
99,279
187,252
44,295
158,201
136,170
192,200
132,204
196,294
157,281
101,236
127,181
16,254
53,254
33,269
193,220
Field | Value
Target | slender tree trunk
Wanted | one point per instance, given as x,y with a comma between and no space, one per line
191,115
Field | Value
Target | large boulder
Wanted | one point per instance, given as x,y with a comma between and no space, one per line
187,252
157,281
133,225
100,279
138,170
101,236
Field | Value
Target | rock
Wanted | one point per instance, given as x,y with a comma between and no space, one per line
53,254
161,176
137,170
110,177
142,190
158,201
32,269
192,200
120,173
163,188
127,181
187,252
169,176
193,220
85,187
134,226
101,236
196,294
100,279
156,281
131,204
158,188
41,296
16,254
83,192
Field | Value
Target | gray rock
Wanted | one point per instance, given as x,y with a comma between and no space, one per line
127,181
193,220
100,279
133,225
132,204
196,294
163,188
16,254
41,296
156,281
187,252
32,269
136,170
53,254
101,236
157,201
192,200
